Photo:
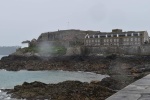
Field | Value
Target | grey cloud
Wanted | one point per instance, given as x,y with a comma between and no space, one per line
26,19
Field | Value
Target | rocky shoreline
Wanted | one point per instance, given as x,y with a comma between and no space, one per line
66,63
68,90
123,70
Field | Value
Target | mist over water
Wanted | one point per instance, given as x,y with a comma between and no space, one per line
49,49
44,48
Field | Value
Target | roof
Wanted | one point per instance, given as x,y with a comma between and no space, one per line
119,33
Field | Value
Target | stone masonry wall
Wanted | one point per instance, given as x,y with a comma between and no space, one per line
126,50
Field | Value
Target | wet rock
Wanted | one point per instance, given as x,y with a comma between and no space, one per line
71,63
123,71
111,83
68,90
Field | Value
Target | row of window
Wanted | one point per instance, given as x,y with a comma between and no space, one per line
112,35
131,39
112,40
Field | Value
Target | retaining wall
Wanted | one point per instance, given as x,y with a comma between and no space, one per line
126,50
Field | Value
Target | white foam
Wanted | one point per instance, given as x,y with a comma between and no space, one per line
8,98
80,71
2,69
2,88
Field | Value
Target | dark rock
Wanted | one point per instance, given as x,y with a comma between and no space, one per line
111,83
68,90
122,71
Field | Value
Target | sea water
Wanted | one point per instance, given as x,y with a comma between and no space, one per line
2,56
9,79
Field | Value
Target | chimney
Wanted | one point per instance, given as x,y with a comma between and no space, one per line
116,30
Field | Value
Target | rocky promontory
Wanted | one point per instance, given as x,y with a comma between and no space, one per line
69,63
122,70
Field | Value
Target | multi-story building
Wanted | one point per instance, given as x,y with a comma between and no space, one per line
116,37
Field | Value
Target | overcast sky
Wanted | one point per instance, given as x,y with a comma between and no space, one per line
26,19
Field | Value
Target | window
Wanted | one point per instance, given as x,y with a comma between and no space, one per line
131,39
96,40
132,34
117,35
135,39
139,39
87,41
124,39
117,40
110,40
106,36
93,36
107,40
127,39
104,40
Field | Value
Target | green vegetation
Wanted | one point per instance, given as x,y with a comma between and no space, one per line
45,50
28,49
55,50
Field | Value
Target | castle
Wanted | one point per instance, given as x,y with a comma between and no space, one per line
96,42
96,38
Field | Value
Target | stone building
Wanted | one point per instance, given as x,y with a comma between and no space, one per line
67,38
96,42
117,37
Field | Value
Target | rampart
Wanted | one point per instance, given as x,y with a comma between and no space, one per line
121,50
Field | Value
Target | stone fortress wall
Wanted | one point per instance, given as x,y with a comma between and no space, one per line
69,37
120,50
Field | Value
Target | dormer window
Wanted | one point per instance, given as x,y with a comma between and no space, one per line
98,36
126,34
138,34
106,36
117,35
132,34
93,36
111,35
